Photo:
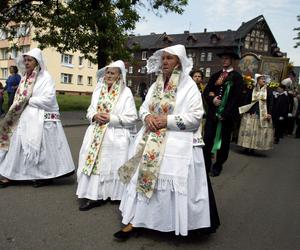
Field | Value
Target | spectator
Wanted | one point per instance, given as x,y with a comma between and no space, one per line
12,84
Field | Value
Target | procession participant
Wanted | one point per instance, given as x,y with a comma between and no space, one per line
167,187
280,112
256,129
33,145
112,114
222,95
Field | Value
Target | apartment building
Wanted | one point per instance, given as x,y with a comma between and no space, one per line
72,73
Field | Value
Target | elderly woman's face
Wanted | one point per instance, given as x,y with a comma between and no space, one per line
30,63
111,75
169,62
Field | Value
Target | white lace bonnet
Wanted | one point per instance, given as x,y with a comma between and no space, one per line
154,62
117,64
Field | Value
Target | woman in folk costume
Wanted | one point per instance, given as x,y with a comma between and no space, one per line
112,114
167,187
33,145
256,129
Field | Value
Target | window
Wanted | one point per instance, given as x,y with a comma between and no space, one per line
143,70
129,83
89,64
25,48
207,72
202,57
79,79
80,59
4,72
209,56
3,34
14,53
4,54
130,70
257,40
90,80
66,78
66,59
144,55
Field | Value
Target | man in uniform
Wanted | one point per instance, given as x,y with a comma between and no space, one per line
222,95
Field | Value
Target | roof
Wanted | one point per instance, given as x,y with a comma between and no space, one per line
246,27
229,38
190,40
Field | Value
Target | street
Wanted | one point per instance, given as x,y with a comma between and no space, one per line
258,200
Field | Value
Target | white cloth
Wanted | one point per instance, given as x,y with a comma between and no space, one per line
114,150
54,158
167,210
39,149
154,62
176,204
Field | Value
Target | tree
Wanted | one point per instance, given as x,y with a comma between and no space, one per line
298,35
97,28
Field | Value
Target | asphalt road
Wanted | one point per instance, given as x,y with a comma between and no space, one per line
258,199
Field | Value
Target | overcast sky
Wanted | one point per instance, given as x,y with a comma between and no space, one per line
219,15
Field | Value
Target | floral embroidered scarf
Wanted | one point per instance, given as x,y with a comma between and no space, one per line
151,148
106,103
258,95
11,119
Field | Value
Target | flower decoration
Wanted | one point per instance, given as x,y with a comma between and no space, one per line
273,85
248,81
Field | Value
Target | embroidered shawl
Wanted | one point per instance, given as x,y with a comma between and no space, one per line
11,119
258,95
106,103
152,146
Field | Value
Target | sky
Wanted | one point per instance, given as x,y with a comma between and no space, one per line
220,15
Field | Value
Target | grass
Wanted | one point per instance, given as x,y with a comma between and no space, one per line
75,102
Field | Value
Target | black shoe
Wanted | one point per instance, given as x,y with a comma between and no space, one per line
122,236
42,183
216,170
89,204
6,183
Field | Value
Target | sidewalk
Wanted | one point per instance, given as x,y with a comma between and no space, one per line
73,118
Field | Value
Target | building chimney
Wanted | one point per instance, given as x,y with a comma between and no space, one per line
205,29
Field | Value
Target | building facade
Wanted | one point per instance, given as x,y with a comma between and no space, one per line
252,38
71,72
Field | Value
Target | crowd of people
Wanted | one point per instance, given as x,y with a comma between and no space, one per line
161,175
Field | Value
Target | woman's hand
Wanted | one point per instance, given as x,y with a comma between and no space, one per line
161,121
268,117
151,123
101,118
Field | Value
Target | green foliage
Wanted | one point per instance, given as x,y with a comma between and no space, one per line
97,28
73,102
298,35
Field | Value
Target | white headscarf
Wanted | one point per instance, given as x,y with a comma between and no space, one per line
35,53
154,62
117,64
256,76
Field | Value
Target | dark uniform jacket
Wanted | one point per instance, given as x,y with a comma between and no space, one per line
212,90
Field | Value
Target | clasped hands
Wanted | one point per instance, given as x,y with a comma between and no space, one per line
101,118
156,122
